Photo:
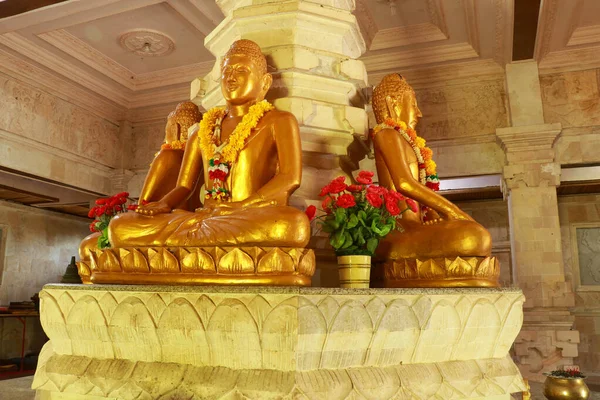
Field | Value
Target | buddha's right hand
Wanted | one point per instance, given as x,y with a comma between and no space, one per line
156,207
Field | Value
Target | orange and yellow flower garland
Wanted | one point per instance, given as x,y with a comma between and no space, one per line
220,158
427,167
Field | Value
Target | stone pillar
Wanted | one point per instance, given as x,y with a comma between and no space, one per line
312,48
530,178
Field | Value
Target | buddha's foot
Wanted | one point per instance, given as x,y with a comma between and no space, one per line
441,272
265,266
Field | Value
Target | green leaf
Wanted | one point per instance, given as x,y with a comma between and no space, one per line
333,224
337,240
352,221
360,238
103,242
340,215
347,240
362,216
372,245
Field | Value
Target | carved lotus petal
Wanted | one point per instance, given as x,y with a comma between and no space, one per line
108,261
275,261
459,267
430,269
236,262
196,261
133,261
162,261
307,264
485,267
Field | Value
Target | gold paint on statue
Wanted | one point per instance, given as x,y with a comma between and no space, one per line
267,171
450,232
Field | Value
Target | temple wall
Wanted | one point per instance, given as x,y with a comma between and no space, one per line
54,139
583,210
38,246
35,248
147,139
573,99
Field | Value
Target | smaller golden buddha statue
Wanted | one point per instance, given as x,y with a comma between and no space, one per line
164,170
439,245
247,156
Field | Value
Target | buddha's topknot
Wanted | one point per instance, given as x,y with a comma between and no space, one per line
248,48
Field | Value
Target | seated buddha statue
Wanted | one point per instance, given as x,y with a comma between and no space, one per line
162,176
247,156
164,170
439,245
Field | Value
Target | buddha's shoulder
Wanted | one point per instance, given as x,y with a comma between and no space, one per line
276,116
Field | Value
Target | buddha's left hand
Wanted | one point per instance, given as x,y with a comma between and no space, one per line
228,208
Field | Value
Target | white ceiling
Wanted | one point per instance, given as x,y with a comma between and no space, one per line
74,47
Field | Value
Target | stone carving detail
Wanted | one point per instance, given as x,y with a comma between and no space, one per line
147,43
218,261
306,343
129,380
482,269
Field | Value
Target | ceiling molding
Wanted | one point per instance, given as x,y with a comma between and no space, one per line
414,57
504,31
545,29
470,9
407,35
435,11
194,15
24,71
461,72
60,66
80,50
167,94
585,35
172,76
366,22
574,59
150,115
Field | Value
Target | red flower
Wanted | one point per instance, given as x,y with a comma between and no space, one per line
93,227
337,185
355,188
327,205
122,200
345,201
435,186
132,207
414,207
100,210
122,194
119,208
391,204
396,195
217,175
324,191
374,199
311,211
92,212
365,177
101,202
378,190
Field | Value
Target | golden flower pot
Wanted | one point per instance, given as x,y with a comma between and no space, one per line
565,389
355,271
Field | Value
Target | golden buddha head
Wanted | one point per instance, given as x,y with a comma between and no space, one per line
244,76
395,98
179,121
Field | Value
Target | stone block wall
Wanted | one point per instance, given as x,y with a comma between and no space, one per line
582,210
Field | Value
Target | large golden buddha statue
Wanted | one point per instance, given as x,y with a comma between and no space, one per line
440,245
248,157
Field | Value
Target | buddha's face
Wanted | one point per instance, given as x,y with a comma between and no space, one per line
404,108
242,81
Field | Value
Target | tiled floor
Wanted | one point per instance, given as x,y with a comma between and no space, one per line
19,389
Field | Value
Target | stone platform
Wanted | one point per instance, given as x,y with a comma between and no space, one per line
190,342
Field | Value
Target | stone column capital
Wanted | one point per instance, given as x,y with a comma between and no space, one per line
528,138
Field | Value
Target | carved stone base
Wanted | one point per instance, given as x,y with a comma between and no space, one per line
441,272
263,266
222,343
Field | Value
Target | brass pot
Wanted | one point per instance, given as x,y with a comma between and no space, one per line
565,389
355,271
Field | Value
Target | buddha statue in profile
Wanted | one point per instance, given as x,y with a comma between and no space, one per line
439,245
164,170
247,156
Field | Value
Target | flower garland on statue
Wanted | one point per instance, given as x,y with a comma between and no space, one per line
427,167
174,145
221,157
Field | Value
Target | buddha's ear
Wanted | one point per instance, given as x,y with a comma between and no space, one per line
266,81
391,104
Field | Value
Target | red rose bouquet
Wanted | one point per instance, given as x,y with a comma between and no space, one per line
572,373
104,210
358,216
